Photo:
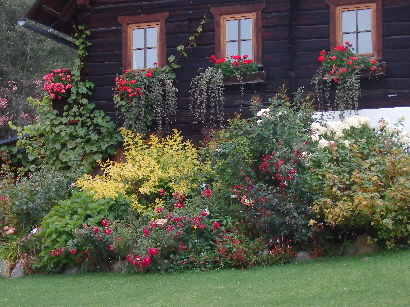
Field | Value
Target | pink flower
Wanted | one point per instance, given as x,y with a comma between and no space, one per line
10,231
161,192
111,247
217,225
104,222
95,229
152,251
108,231
178,204
73,251
158,209
333,58
170,228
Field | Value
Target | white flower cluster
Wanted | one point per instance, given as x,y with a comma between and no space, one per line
336,129
263,113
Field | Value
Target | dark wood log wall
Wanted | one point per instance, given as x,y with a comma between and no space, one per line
293,33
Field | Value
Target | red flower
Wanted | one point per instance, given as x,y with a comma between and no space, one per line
107,231
321,58
207,193
212,59
158,210
73,251
146,232
95,229
217,225
111,247
152,251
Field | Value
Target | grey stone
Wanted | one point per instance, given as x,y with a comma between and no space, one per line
302,256
18,270
4,268
72,271
361,246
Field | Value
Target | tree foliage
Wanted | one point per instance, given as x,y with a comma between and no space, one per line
27,56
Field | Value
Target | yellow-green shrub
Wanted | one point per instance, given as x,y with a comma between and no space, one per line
361,175
159,164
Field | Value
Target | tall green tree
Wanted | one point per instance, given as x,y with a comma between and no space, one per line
26,58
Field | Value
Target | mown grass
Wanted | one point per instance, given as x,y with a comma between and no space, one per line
381,279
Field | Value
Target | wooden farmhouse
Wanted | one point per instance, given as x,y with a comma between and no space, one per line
284,37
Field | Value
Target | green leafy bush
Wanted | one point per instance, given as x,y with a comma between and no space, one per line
360,175
59,225
28,198
258,165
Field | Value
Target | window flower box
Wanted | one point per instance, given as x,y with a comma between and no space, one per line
256,77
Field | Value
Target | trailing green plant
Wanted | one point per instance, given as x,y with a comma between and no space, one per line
360,175
343,67
145,98
206,101
77,139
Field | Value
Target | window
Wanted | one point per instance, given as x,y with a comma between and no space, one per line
143,40
238,31
359,23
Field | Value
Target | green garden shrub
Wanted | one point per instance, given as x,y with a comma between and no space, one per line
361,176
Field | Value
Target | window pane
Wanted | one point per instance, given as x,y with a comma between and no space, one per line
365,42
232,48
137,38
138,59
351,38
152,37
246,28
232,30
348,21
152,57
246,48
364,21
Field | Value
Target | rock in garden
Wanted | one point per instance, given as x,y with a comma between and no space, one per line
18,270
361,246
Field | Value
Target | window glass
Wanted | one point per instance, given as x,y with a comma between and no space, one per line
364,21
151,37
351,38
246,28
364,42
151,57
138,38
232,48
232,30
145,47
138,59
348,21
239,38
246,48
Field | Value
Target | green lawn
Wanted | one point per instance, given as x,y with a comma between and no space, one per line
381,279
